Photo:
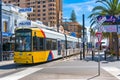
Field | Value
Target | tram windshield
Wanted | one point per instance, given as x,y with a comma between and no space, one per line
23,41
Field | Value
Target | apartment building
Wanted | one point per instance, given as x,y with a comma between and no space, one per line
73,27
47,11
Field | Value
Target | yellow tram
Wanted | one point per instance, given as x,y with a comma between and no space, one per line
35,45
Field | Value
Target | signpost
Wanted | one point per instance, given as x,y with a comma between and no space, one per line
99,36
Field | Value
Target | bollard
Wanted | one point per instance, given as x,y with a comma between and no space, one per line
105,52
92,55
80,55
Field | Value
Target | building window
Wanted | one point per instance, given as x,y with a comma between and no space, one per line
44,10
51,13
5,26
38,10
44,18
50,17
33,10
9,1
28,3
38,2
28,15
33,14
50,5
34,2
43,1
38,6
38,14
33,6
38,18
51,0
44,14
50,9
44,5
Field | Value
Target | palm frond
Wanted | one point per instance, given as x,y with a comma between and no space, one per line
104,3
99,8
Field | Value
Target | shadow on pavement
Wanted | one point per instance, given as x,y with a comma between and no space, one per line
15,66
93,77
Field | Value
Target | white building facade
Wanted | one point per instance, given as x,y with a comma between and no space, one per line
10,16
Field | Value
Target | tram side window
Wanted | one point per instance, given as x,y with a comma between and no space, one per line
69,45
37,43
48,44
54,44
41,46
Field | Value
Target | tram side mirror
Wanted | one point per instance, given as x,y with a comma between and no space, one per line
35,37
35,34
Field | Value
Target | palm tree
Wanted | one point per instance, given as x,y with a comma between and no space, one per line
108,7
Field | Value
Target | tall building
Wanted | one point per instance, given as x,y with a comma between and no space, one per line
47,11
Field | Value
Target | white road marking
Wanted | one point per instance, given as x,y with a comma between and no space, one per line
20,74
113,70
67,79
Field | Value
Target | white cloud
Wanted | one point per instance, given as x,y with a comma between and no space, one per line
90,7
80,8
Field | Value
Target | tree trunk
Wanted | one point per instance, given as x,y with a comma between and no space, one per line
110,42
116,45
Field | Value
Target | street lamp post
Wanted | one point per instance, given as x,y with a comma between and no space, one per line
1,57
83,36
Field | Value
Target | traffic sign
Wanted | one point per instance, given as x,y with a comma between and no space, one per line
99,23
102,20
28,10
99,36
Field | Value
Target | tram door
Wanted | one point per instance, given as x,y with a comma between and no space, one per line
59,47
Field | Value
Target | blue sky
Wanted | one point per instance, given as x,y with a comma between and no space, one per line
80,7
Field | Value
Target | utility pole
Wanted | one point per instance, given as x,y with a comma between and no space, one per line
83,17
1,54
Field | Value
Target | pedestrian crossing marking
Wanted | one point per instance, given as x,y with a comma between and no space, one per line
113,71
21,74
